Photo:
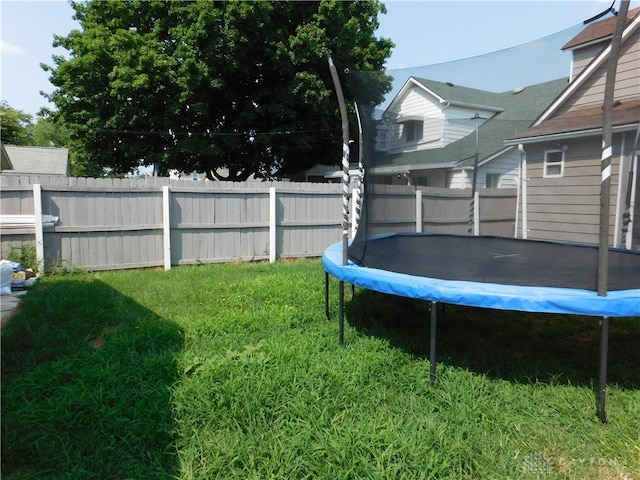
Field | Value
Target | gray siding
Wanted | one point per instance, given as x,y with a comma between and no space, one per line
591,92
582,57
568,208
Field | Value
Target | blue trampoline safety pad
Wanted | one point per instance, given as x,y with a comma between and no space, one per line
619,303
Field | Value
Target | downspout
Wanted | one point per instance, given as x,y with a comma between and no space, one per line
616,220
518,183
629,207
446,104
632,205
523,180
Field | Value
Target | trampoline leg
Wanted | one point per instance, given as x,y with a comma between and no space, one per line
432,347
341,315
326,295
602,378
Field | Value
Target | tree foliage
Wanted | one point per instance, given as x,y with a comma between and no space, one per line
235,87
14,125
18,128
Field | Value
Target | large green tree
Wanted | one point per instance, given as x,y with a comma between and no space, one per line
235,87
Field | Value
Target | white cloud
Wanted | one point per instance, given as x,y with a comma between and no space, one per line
7,48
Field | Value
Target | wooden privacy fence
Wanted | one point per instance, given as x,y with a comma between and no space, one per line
441,210
107,224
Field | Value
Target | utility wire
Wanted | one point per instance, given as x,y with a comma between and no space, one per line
202,134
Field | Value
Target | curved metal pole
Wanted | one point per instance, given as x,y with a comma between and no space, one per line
345,185
345,159
357,191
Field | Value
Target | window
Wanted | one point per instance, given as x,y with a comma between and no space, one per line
413,130
553,163
421,181
382,141
492,180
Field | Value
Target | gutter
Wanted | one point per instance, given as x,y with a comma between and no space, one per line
406,168
568,135
483,161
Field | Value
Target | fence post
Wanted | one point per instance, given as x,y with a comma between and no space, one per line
419,211
166,226
37,213
272,224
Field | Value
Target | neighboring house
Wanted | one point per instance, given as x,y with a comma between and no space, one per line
431,132
35,160
563,147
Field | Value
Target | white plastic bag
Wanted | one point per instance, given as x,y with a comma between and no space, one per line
6,277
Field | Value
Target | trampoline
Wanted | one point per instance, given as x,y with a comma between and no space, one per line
491,272
477,271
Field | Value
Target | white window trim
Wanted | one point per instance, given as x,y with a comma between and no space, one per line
546,164
417,127
497,176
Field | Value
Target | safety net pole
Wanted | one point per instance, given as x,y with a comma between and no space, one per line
432,344
605,192
357,191
474,181
345,184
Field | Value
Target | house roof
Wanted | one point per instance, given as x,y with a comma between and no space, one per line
519,109
598,31
446,92
584,120
588,119
40,160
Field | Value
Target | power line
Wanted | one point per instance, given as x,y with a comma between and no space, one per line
173,134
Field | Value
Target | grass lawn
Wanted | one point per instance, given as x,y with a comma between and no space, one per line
233,371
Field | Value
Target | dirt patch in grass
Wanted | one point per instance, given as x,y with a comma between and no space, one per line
98,342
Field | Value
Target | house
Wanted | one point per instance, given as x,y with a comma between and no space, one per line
35,160
563,147
432,131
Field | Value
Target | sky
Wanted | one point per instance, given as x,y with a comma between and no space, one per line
523,37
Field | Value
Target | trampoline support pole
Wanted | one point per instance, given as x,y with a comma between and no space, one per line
326,295
602,377
341,315
432,346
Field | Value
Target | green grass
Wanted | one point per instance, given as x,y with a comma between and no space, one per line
233,371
